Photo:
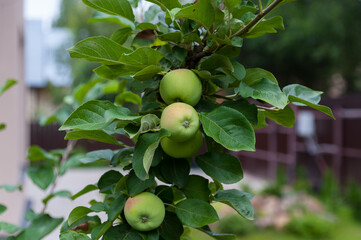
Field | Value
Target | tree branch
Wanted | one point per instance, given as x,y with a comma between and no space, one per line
259,16
70,145
196,56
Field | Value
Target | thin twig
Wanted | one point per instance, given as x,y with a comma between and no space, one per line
255,20
69,147
224,97
268,108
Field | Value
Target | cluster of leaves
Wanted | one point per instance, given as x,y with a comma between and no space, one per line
123,100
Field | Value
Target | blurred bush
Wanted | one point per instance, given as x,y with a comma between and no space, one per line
353,199
235,224
310,226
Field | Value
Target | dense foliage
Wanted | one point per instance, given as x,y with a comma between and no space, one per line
205,37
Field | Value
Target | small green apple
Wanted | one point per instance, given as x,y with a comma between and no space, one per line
181,85
144,212
181,120
183,149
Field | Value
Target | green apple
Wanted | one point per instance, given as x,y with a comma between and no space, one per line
144,212
182,149
181,120
181,85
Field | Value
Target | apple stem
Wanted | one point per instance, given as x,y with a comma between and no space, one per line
186,124
144,219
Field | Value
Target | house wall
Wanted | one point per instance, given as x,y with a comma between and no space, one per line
13,140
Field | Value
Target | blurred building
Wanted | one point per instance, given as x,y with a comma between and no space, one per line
13,139
43,48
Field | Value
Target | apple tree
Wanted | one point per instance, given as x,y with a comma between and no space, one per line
166,86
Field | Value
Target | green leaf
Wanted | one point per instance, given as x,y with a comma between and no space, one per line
237,41
2,126
100,230
98,49
123,156
65,194
8,84
97,135
152,235
152,12
165,193
196,188
11,188
82,90
147,25
230,4
324,109
136,185
73,235
265,90
201,12
196,213
171,227
103,17
9,227
166,4
231,79
301,95
221,236
170,15
118,7
94,115
144,152
108,180
239,11
147,73
78,213
284,117
117,207
121,35
193,233
216,61
42,176
254,75
229,128
261,119
60,116
115,71
239,201
35,153
99,207
249,110
128,96
223,167
147,123
192,37
86,189
303,92
229,51
82,224
175,171
39,227
141,58
122,232
105,154
2,208
266,26
171,36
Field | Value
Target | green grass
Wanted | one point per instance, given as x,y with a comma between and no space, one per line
345,229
